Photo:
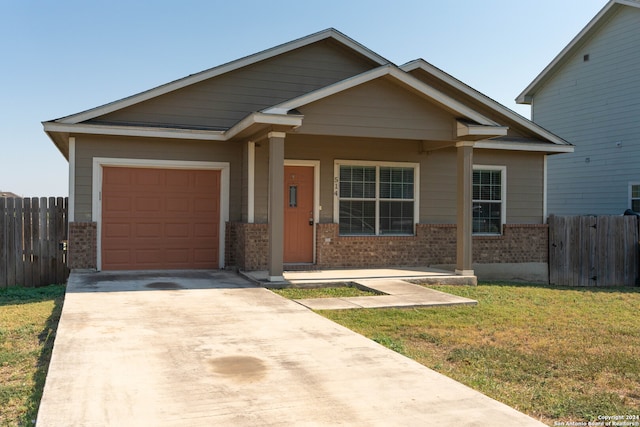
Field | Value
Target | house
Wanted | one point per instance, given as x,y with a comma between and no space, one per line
589,96
317,153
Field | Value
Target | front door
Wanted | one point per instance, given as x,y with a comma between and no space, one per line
298,214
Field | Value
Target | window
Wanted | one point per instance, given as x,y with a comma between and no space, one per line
376,199
634,202
488,199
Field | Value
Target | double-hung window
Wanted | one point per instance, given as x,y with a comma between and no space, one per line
634,197
489,204
376,198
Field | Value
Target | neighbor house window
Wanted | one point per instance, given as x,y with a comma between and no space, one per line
489,190
376,199
635,197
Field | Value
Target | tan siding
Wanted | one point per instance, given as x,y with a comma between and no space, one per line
88,147
524,183
437,172
515,130
378,109
222,101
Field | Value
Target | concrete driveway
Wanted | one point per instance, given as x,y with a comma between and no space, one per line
209,348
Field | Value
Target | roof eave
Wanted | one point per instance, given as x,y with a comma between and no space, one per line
526,96
330,33
483,99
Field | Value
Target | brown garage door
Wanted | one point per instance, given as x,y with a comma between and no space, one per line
160,218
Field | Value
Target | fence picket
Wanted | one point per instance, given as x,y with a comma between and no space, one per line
27,242
3,242
30,232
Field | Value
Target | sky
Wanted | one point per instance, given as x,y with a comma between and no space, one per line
63,57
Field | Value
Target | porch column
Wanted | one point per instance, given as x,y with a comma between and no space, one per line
464,258
276,205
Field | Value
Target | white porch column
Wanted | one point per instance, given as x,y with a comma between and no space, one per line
276,206
464,205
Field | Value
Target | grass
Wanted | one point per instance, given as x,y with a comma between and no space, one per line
556,354
324,292
28,323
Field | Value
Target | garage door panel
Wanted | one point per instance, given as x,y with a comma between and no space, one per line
204,254
205,230
160,218
178,205
116,204
148,177
117,230
147,256
181,230
117,256
148,230
123,177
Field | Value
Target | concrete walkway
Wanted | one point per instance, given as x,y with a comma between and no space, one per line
397,293
209,348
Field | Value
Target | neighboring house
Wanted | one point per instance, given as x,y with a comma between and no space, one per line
319,153
7,194
590,96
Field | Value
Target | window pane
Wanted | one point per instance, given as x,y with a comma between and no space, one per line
635,205
396,217
635,191
487,185
358,182
396,183
357,217
487,217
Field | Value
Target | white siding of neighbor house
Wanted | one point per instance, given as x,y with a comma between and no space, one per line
595,105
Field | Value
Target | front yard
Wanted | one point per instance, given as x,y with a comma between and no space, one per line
28,322
558,355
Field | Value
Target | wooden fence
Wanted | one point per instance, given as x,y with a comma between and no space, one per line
32,232
593,250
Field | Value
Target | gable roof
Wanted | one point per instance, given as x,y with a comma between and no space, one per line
483,99
385,70
593,26
472,124
330,33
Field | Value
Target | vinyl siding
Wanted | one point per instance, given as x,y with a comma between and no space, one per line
88,147
595,104
437,172
220,102
378,109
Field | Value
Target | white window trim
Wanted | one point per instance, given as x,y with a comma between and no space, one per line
416,189
96,207
630,192
503,195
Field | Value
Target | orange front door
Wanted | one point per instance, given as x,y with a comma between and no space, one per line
298,214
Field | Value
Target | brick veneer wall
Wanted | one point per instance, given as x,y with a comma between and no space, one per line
518,243
82,250
433,244
247,246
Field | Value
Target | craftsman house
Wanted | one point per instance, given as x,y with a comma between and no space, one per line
318,153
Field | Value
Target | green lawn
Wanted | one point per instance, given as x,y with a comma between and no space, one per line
324,292
28,321
556,354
